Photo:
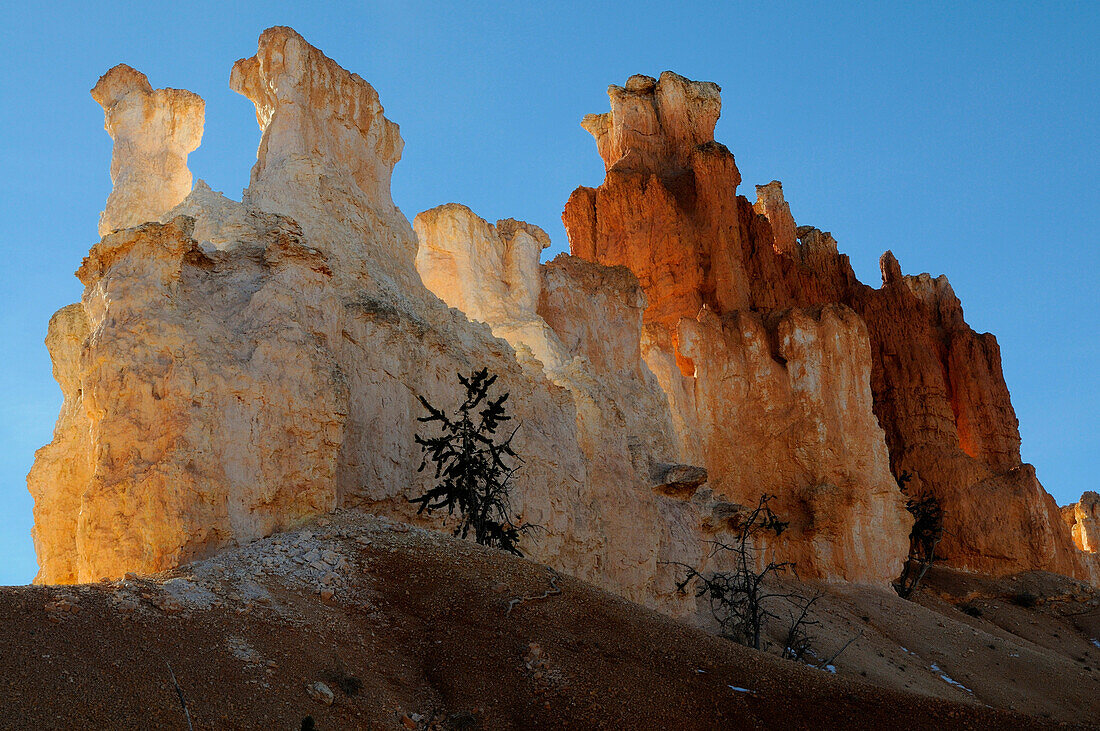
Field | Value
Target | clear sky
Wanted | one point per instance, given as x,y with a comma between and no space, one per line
963,136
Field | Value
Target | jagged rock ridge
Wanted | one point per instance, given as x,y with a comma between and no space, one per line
708,258
234,368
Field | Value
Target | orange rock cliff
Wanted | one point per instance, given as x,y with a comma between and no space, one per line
235,368
711,262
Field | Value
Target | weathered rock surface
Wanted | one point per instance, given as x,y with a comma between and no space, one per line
242,370
703,254
62,467
1083,518
327,147
771,204
582,323
784,407
235,368
490,273
154,131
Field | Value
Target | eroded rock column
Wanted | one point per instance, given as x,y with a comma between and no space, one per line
154,131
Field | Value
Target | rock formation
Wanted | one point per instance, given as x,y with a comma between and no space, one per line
711,263
1083,520
784,407
235,368
154,131
579,324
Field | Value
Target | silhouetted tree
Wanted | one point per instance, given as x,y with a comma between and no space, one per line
472,465
923,538
744,599
739,599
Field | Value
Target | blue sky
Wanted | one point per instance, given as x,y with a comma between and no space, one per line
961,136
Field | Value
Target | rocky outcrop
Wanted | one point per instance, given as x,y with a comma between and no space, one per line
784,407
231,370
490,273
580,324
235,368
778,404
154,131
62,467
771,204
704,254
1083,519
327,146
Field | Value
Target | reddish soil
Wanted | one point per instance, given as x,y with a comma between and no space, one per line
420,636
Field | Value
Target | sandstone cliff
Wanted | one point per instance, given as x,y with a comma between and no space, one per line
711,262
235,368
1083,520
241,370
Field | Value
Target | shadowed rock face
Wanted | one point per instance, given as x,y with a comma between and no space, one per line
154,131
711,263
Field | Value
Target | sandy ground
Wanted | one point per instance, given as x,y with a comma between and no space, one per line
409,629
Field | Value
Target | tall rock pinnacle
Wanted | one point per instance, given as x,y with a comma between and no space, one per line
154,131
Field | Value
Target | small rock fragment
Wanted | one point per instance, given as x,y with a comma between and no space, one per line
320,692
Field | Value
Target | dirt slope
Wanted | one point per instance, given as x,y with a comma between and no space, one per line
417,633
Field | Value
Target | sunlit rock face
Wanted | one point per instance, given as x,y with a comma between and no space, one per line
62,467
771,204
490,273
784,407
1083,520
154,131
1083,517
717,267
232,370
327,147
580,324
235,368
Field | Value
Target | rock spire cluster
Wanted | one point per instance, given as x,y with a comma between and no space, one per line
711,262
236,368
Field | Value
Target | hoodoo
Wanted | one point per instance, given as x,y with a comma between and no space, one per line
724,277
234,369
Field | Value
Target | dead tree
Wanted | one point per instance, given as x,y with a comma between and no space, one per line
925,535
741,599
472,465
746,598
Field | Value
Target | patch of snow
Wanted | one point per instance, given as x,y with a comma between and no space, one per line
946,679
740,690
1096,642
831,669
